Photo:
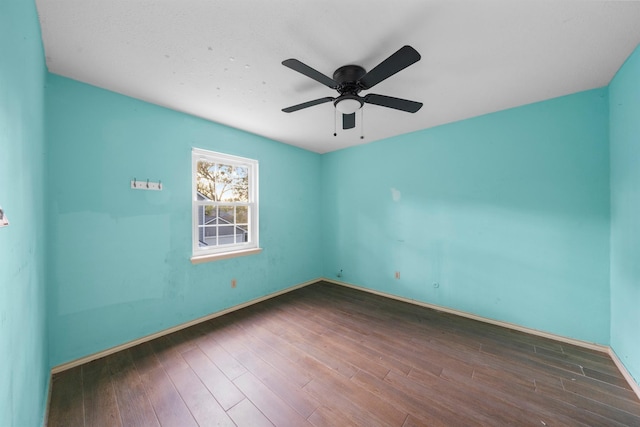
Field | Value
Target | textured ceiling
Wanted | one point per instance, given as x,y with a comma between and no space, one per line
221,59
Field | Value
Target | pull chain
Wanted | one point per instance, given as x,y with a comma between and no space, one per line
361,123
335,119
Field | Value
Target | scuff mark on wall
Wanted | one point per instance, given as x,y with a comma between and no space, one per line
395,194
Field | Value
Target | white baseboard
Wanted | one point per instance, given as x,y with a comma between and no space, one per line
107,352
623,369
585,344
47,404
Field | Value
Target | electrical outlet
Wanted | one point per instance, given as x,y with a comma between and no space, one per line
233,283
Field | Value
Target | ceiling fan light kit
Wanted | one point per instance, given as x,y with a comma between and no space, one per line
348,104
350,80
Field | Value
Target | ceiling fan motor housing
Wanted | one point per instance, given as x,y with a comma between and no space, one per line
347,78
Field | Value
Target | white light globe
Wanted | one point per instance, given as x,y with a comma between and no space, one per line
348,106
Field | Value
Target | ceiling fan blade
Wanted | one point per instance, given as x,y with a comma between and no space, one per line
391,102
302,68
400,60
307,104
349,121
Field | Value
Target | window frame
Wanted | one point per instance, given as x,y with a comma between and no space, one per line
199,254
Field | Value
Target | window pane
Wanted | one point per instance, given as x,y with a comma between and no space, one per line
242,215
242,234
225,215
210,231
222,182
206,214
210,211
208,235
225,235
241,184
206,183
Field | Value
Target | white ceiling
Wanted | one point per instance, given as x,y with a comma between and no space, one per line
221,59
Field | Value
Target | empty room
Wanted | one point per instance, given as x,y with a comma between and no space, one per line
319,213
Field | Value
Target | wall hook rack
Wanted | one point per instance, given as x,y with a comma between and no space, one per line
146,185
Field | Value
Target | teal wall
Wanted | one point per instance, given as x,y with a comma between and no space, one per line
624,101
120,265
508,213
24,369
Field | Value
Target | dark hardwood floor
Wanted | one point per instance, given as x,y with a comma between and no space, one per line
326,355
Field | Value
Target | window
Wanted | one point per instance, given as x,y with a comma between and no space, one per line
225,205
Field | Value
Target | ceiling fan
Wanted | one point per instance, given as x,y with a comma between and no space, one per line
349,80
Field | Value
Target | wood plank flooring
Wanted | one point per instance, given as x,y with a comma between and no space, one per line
326,355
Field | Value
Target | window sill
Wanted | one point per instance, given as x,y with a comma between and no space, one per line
226,255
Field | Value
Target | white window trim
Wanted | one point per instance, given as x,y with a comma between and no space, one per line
198,254
226,255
